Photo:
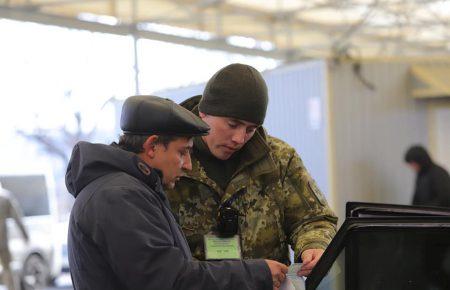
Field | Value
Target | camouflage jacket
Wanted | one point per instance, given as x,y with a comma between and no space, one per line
281,204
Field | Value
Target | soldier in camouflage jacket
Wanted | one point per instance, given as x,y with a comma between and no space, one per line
278,202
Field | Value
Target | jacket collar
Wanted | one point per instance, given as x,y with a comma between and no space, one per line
152,177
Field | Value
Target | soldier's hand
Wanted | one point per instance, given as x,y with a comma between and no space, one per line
278,272
310,258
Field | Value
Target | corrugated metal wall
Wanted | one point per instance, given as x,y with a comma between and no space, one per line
296,112
180,94
371,129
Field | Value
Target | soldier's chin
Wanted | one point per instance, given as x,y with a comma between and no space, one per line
169,185
223,155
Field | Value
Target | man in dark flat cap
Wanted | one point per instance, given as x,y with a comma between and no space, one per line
122,233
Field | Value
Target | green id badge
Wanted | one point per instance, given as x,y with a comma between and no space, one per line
218,248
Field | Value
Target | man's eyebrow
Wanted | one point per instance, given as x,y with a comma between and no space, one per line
242,123
236,120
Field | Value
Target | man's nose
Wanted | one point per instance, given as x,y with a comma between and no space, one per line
187,162
239,136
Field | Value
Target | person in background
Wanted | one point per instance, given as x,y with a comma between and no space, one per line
432,186
122,233
8,209
246,185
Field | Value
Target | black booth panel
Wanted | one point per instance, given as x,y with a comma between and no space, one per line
366,209
411,259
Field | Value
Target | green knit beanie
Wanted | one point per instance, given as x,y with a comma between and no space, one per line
236,91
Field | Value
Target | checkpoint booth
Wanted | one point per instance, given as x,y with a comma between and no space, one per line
387,247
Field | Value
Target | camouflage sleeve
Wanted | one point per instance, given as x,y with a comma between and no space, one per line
309,223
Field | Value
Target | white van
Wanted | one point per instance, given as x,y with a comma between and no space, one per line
42,259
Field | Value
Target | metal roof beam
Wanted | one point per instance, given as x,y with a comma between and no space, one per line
215,43
38,5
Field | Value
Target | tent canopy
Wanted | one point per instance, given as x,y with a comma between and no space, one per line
283,29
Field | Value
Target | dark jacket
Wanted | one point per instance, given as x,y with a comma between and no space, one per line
122,234
432,182
432,187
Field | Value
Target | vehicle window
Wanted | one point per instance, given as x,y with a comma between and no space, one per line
30,192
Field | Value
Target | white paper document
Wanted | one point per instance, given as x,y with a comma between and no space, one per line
293,282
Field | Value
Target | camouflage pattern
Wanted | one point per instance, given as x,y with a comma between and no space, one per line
281,205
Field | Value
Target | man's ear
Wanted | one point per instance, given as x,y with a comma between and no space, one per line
149,146
202,115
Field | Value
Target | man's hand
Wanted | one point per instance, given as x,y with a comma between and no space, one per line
278,272
310,258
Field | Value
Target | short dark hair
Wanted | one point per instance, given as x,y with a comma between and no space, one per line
418,154
135,143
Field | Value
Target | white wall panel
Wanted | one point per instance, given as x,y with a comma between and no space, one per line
371,131
439,124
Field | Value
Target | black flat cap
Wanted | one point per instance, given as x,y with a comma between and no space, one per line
150,115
